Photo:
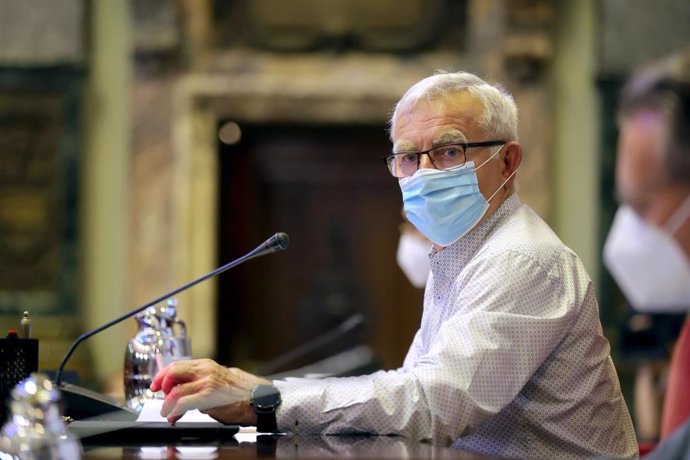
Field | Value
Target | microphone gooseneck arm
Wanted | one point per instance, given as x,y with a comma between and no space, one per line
277,242
346,327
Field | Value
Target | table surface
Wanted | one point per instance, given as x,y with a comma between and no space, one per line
285,446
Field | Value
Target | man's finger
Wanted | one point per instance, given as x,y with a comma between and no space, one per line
157,379
172,370
176,374
185,403
173,396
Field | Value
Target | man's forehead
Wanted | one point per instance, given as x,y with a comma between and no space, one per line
442,120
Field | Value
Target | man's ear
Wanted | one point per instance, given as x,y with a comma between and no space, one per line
511,158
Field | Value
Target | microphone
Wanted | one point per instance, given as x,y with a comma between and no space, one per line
348,326
277,242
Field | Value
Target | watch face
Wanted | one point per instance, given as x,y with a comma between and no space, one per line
265,397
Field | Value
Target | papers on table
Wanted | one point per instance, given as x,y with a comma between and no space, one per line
152,413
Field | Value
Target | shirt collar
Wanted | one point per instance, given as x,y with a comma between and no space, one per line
461,252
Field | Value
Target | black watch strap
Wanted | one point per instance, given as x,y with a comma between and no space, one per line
266,422
265,399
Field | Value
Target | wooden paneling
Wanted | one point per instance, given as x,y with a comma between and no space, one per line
328,189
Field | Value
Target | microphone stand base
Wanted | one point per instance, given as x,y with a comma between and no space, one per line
80,403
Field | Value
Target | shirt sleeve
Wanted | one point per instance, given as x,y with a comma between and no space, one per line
507,315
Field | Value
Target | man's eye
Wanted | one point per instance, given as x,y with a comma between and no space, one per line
450,153
408,158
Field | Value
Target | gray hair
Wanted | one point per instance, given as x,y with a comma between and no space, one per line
664,87
500,117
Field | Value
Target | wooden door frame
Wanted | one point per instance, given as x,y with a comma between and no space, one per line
339,93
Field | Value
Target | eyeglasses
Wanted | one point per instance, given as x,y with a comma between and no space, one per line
442,157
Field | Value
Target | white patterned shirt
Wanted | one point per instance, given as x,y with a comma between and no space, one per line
510,359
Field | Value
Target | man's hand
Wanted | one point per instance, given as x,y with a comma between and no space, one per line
203,384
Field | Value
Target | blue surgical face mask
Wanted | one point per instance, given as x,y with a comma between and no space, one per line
445,204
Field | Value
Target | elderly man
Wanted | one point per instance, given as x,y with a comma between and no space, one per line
648,247
509,359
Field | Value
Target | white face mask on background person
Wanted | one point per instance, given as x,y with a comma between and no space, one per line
413,258
648,264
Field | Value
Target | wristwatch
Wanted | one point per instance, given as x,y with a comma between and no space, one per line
265,400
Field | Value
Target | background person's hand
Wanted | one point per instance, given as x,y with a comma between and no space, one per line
223,393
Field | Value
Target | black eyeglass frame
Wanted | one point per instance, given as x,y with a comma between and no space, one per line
465,145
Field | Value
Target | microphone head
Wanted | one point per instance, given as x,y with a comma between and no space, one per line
279,241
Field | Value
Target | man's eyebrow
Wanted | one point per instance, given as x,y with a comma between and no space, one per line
450,137
404,147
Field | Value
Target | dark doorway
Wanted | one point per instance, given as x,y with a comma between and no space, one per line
326,187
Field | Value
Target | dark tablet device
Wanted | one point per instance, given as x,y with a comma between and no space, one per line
127,433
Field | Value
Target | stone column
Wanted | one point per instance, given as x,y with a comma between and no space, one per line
104,188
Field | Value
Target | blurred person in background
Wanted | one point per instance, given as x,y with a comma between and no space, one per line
648,247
